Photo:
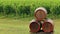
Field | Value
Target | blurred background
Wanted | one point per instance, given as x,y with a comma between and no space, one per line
15,15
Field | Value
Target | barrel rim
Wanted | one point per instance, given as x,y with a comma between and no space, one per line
45,14
36,29
50,29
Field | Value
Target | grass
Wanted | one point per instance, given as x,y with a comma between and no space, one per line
14,26
21,26
57,26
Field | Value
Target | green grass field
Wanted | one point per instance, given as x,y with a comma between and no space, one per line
21,26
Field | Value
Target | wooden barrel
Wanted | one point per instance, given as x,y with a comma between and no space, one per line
40,13
48,26
34,26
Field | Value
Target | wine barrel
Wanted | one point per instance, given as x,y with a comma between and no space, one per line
40,13
34,26
48,26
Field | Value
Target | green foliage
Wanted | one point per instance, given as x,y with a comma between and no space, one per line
1,10
57,10
26,8
9,10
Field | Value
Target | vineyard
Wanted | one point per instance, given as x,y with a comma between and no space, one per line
26,8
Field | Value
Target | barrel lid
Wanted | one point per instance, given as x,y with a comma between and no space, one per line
48,26
34,27
40,13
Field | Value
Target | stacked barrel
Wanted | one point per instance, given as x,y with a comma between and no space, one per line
41,22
